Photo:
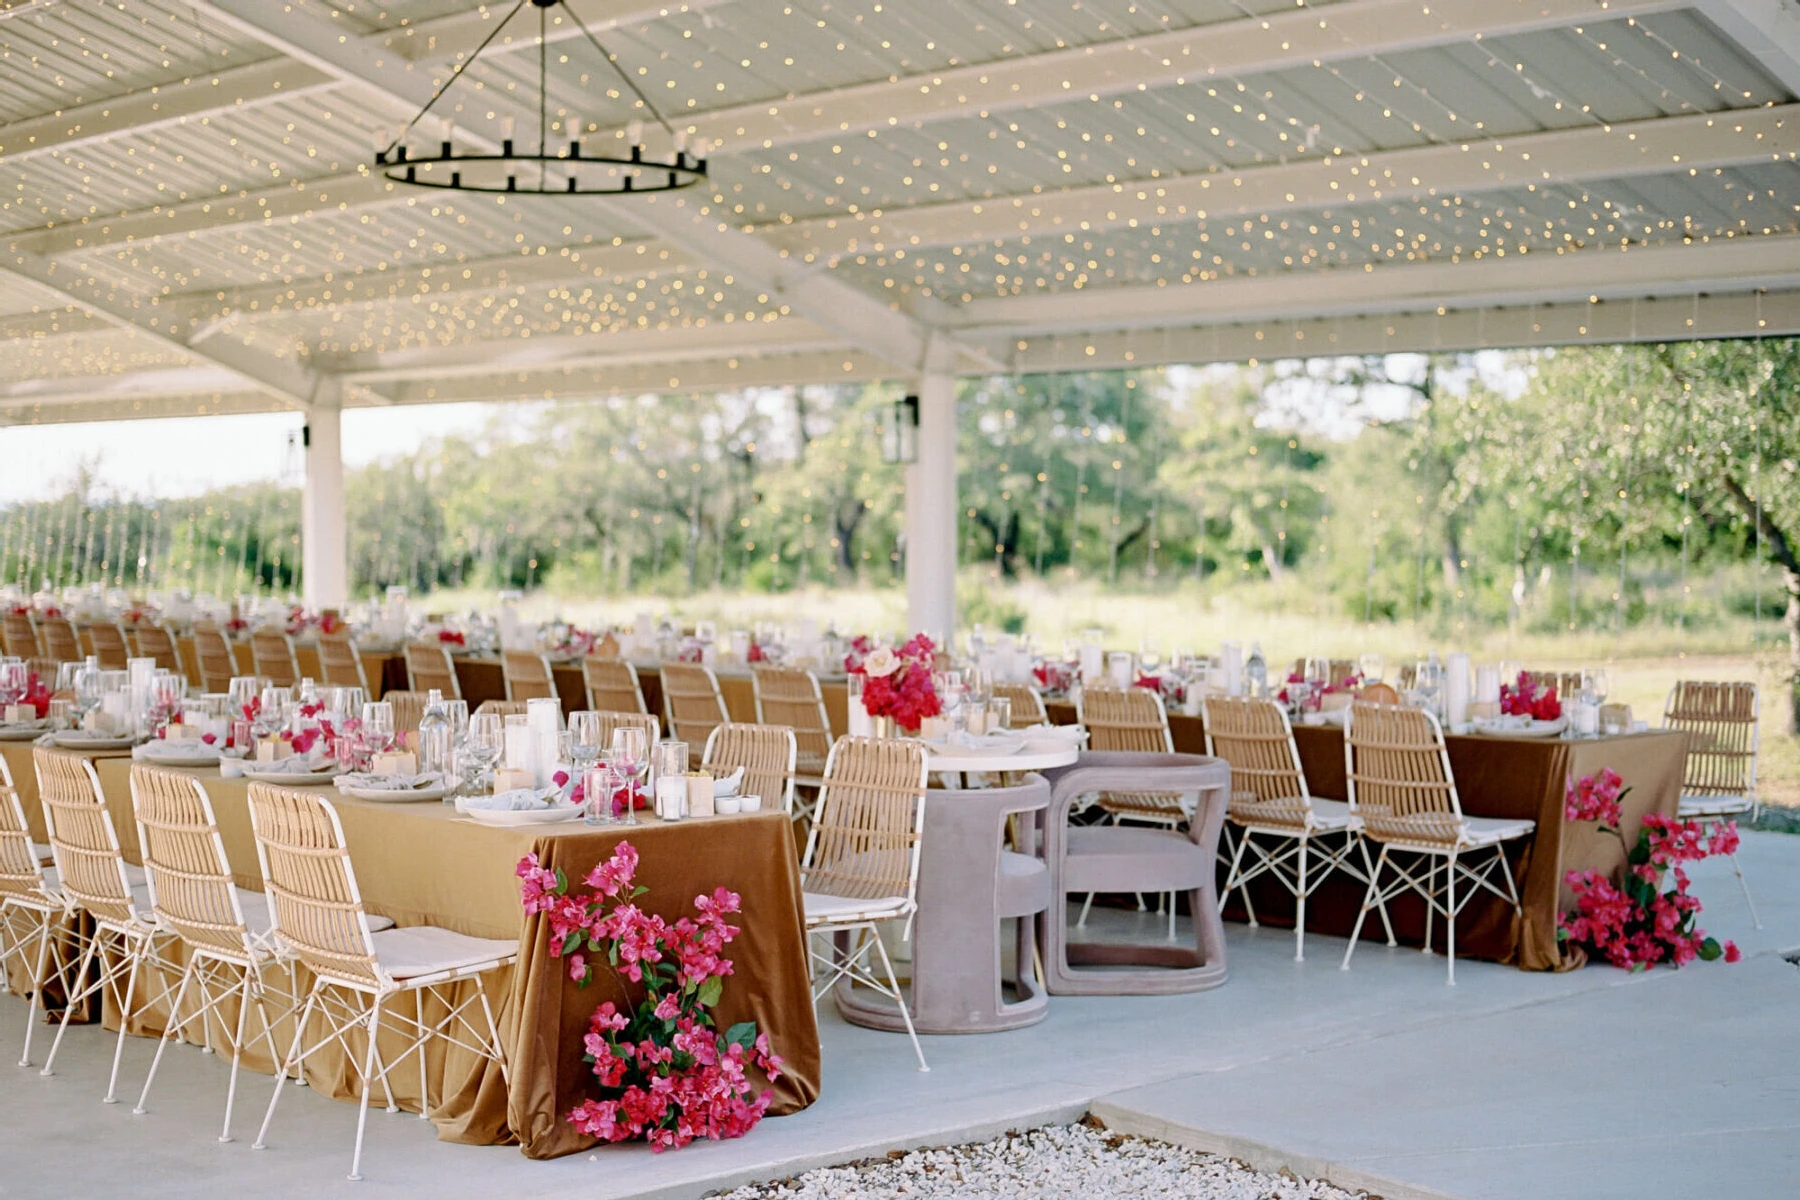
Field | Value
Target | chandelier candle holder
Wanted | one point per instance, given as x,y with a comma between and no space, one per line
574,166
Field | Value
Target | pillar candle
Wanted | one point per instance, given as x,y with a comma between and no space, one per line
1231,655
1093,663
1487,684
1456,688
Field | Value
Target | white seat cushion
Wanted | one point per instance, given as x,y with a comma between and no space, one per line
1334,815
1487,831
1714,806
135,876
823,909
429,950
39,852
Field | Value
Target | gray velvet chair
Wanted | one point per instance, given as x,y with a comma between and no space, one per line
1135,858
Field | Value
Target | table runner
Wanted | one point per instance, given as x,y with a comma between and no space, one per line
420,864
1495,777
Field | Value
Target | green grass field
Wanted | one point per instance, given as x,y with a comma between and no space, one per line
1642,664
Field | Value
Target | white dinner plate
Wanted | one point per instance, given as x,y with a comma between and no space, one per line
294,778
1532,729
394,795
980,748
23,733
181,755
508,817
75,739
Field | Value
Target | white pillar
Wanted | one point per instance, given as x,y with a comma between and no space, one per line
324,540
931,500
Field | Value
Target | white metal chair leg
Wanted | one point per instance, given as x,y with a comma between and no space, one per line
288,1063
131,974
1081,921
1430,909
1369,899
1233,878
87,961
1754,919
37,989
1450,918
362,1111
1369,871
1300,908
894,983
172,1031
237,1047
424,1091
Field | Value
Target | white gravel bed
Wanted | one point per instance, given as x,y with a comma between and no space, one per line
1077,1162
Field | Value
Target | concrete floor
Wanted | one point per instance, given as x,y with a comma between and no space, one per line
1592,1084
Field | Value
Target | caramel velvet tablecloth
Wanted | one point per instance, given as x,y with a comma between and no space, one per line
421,864
1495,777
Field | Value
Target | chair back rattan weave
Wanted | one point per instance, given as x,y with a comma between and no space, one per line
90,869
693,703
1268,785
612,685
218,664
765,752
502,708
153,641
314,903
20,636
527,675
109,645
647,722
1027,704
1720,720
21,875
1130,719
59,640
191,886
272,656
340,663
1399,773
409,709
1566,683
864,841
428,667
787,696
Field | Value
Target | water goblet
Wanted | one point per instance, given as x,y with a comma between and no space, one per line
487,740
1372,667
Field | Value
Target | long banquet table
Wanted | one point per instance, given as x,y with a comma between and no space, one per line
421,864
1495,777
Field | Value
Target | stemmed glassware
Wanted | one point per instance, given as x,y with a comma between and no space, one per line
487,741
1594,683
15,678
584,741
377,733
1372,667
631,762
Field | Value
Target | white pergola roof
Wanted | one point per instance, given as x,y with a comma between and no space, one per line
192,225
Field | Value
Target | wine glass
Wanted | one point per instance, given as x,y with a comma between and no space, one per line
242,691
980,684
1149,655
1594,683
630,760
377,726
14,680
1373,667
1317,672
584,739
487,740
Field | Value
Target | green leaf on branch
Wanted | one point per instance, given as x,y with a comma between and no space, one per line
742,1034
1711,950
562,883
571,943
710,991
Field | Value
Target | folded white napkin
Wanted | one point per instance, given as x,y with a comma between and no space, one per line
516,800
729,785
296,765
185,747
388,782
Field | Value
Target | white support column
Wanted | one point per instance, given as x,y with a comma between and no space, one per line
931,499
324,539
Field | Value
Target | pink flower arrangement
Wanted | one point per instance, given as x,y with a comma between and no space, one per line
666,1075
1634,923
756,654
860,648
452,637
37,694
1055,678
897,683
1523,699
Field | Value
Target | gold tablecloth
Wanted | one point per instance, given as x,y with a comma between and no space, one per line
421,864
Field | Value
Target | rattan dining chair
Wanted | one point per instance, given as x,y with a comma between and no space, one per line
59,641
861,866
527,675
225,929
153,641
272,655
1027,704
340,663
126,943
1270,803
1402,789
612,685
1718,780
787,696
409,709
218,663
1132,720
429,668
32,911
766,754
693,704
109,645
317,915
20,636
647,722
502,708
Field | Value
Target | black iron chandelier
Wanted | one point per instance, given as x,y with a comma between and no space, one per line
567,168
